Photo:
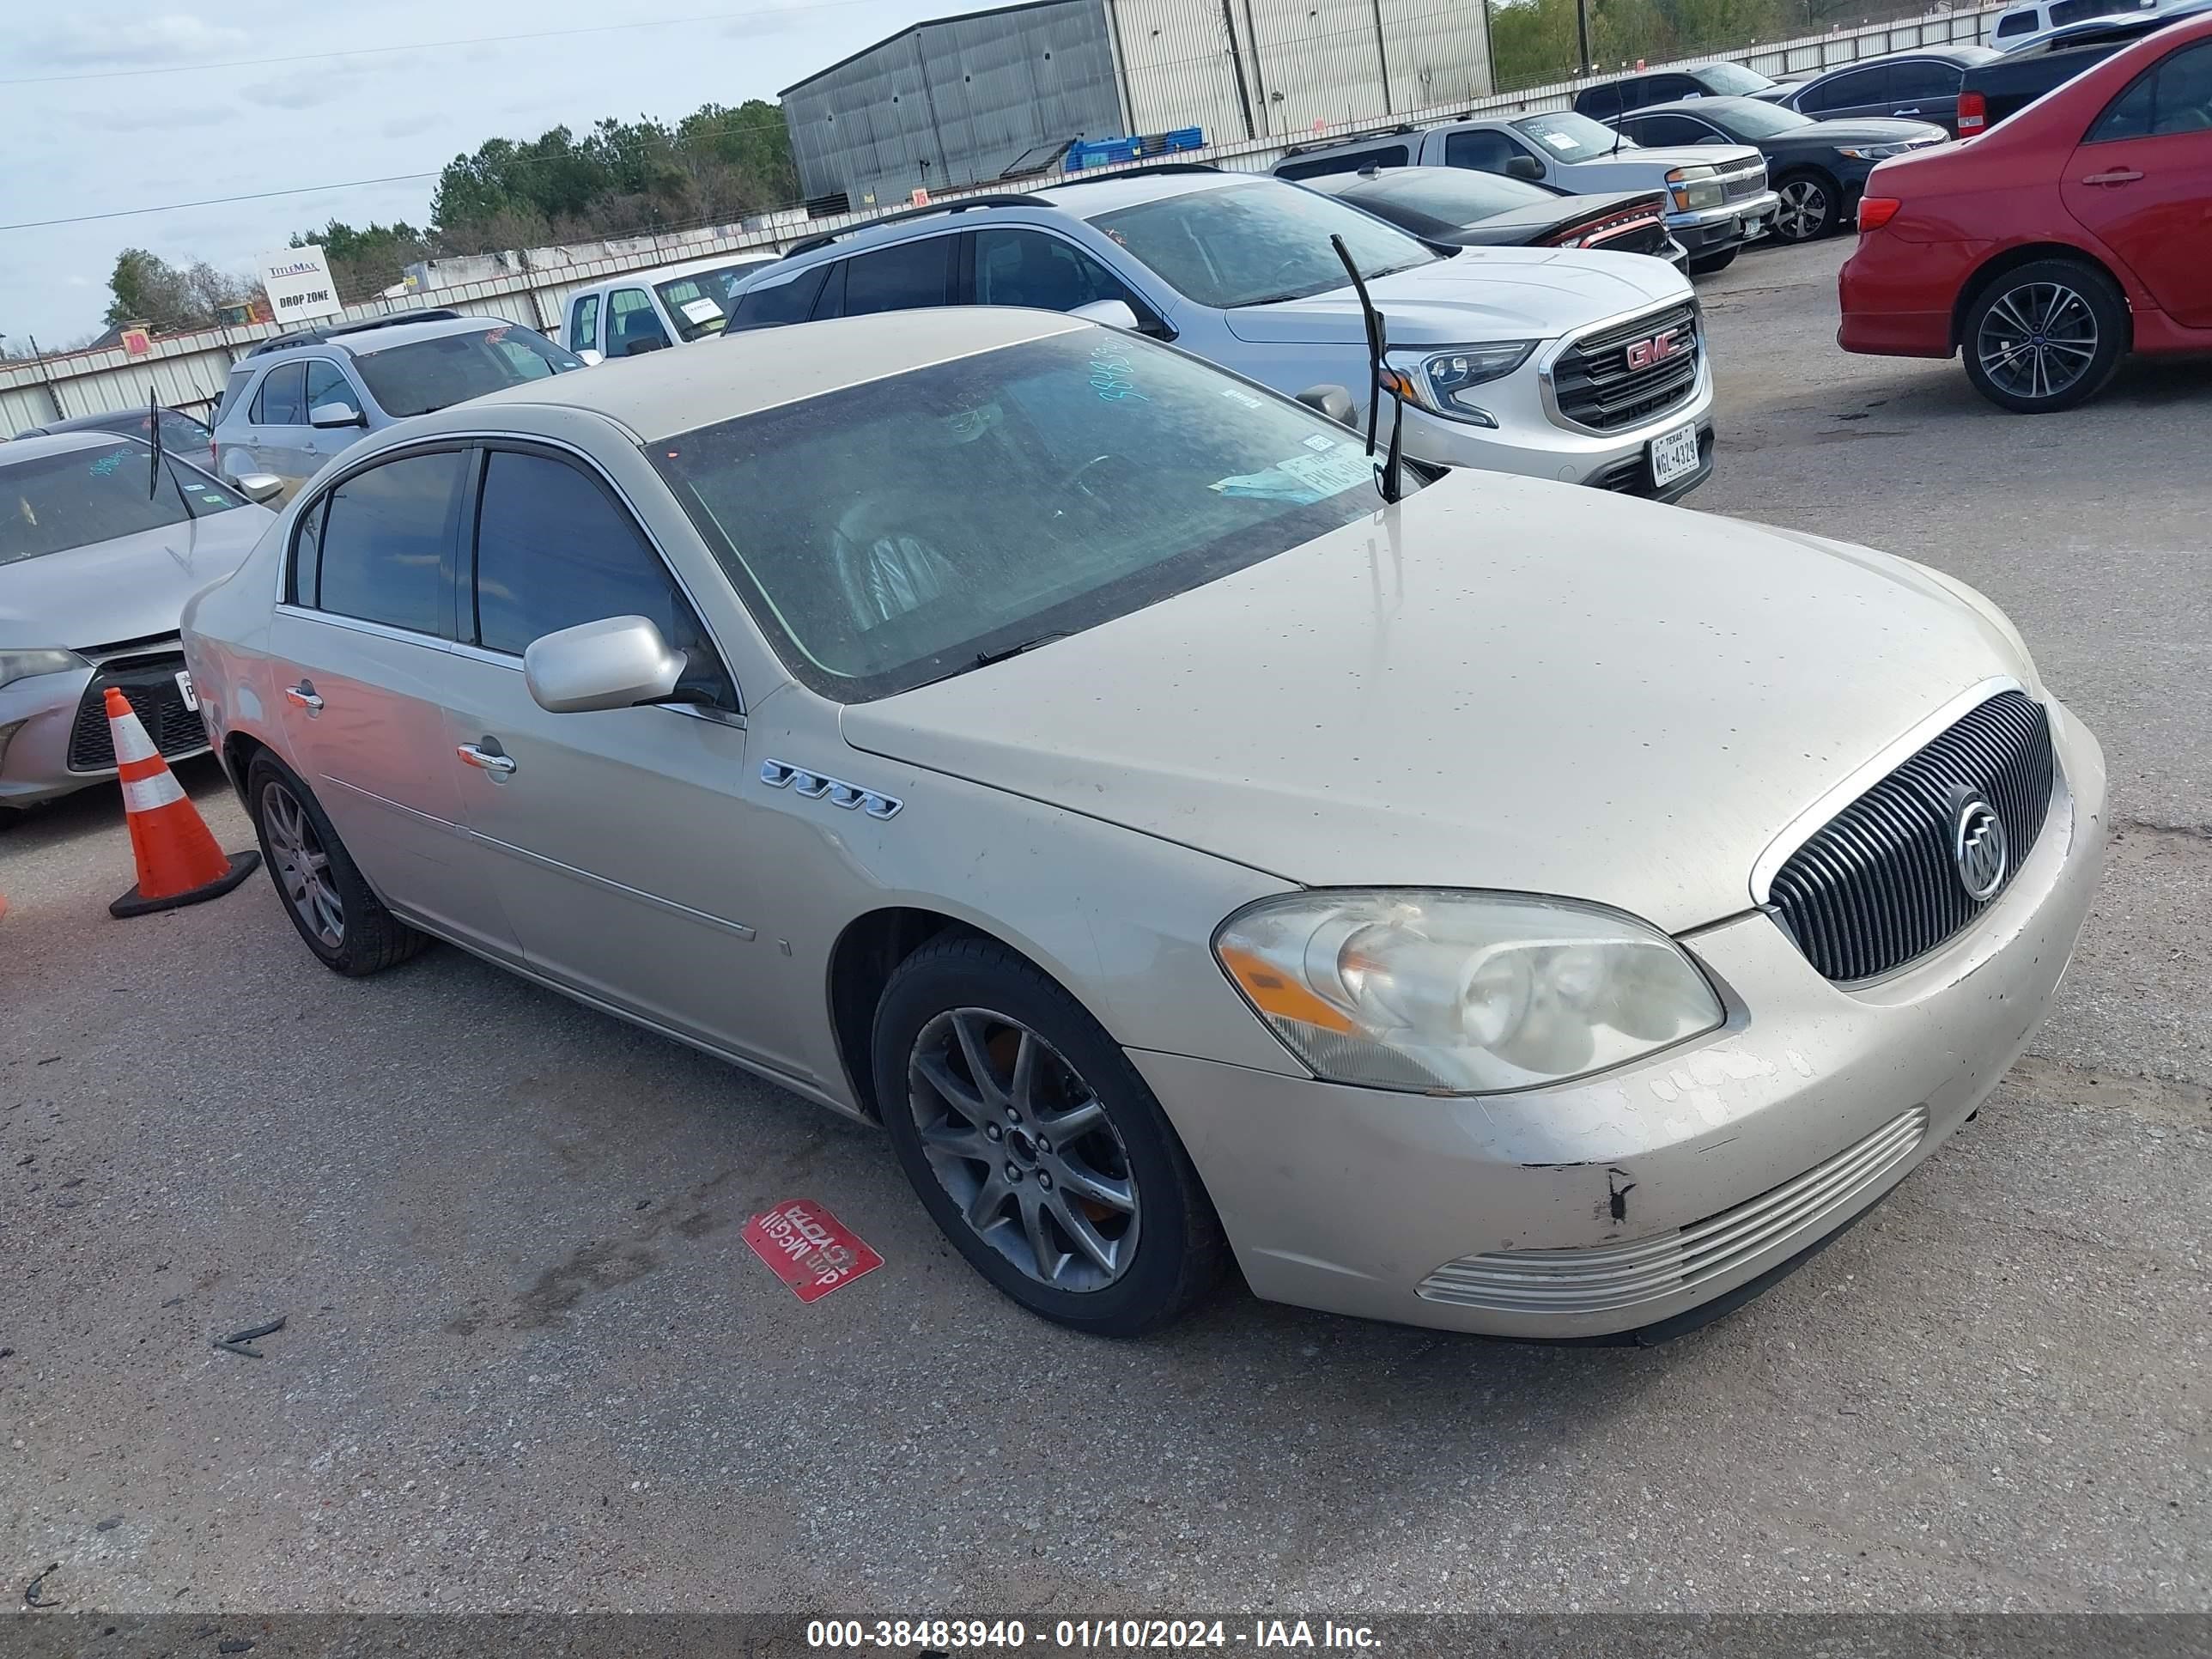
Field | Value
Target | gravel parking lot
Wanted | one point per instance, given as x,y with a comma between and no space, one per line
530,1362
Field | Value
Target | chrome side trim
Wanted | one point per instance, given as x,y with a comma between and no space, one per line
358,625
1863,777
400,807
591,878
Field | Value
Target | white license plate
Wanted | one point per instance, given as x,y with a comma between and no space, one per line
184,688
1673,455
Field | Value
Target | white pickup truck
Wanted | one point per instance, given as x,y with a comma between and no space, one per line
1719,191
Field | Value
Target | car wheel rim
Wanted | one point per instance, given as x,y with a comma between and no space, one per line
1025,1149
1804,210
301,865
2037,340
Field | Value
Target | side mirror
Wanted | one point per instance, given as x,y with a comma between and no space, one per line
1524,166
258,487
1113,314
1333,401
324,416
589,358
614,662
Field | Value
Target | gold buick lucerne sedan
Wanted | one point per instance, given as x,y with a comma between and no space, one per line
1516,910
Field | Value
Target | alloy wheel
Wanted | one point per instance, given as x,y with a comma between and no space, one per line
1023,1147
1804,212
302,867
2037,340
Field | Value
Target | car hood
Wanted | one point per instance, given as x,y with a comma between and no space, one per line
130,588
1648,167
1477,293
1872,130
1503,683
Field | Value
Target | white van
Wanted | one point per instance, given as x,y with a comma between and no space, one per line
670,305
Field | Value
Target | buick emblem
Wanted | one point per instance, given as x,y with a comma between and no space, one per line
1641,354
1979,848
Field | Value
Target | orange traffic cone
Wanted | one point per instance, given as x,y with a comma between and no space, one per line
179,862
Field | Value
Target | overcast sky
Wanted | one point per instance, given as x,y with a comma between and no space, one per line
131,140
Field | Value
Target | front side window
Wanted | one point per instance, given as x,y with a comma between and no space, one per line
283,399
2073,11
421,375
772,304
1605,102
1568,137
553,550
1867,86
2014,24
2174,96
633,326
1121,473
1483,150
233,389
326,384
384,544
1255,244
584,323
1668,129
1015,267
77,497
904,277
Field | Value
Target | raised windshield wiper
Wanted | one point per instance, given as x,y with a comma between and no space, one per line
985,658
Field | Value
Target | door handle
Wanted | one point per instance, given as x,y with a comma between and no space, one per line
2116,176
302,696
487,760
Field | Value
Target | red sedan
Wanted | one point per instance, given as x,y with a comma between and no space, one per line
2056,243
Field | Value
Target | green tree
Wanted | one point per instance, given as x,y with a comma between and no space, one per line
365,262
146,288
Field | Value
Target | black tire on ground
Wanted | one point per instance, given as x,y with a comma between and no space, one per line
1812,206
1704,265
371,938
1179,1254
2029,303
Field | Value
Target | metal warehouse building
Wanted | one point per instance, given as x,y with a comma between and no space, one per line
967,99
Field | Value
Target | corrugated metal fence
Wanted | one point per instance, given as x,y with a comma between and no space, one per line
187,371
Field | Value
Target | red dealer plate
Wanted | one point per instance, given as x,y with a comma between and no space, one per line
808,1249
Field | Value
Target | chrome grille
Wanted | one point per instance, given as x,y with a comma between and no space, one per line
149,684
1877,886
1596,383
1741,186
1764,1230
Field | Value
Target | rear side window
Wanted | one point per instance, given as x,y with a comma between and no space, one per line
1926,77
233,389
781,302
283,399
904,277
554,550
2073,11
385,536
2015,24
1346,161
1603,103
584,323
2175,96
1484,150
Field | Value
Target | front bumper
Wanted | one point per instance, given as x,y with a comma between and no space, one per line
53,743
1529,441
1629,1200
1711,230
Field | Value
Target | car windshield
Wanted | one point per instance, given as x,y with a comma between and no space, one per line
78,497
1734,80
1750,120
421,375
1252,245
894,533
1573,137
699,302
1459,196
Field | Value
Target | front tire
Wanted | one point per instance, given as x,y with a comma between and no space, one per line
343,923
1035,1145
1706,264
1809,206
2045,337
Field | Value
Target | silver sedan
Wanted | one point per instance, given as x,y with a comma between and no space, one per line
100,547
1519,909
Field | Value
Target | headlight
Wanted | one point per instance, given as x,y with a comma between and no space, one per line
1695,189
1438,380
21,665
1873,152
1460,992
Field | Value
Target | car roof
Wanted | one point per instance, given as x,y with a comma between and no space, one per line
663,393
1110,192
30,448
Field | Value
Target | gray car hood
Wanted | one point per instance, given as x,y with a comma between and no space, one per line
130,588
1479,293
1504,683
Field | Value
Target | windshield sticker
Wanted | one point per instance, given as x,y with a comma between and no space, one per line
701,311
1304,479
1109,377
1316,441
1236,397
1558,140
105,465
497,334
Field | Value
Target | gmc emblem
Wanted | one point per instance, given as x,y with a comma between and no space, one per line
1641,354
